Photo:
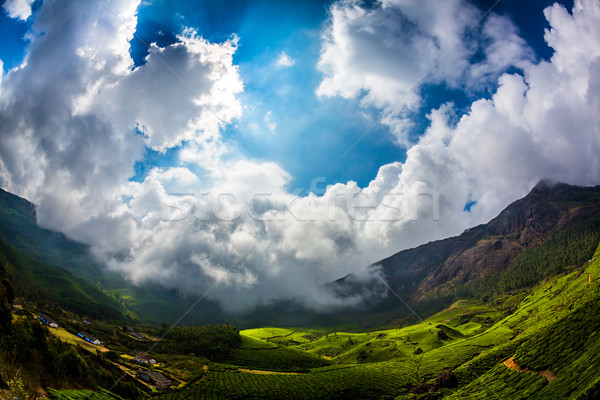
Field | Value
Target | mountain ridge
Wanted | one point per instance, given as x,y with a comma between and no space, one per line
19,228
433,272
429,276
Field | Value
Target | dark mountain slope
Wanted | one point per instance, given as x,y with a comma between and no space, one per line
552,228
54,286
555,226
19,228
44,249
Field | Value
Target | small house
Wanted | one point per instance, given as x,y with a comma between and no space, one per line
88,321
157,379
138,336
89,338
48,321
144,358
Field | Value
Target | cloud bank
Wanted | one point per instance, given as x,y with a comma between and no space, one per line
386,53
76,117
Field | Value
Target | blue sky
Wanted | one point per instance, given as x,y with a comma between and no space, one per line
312,134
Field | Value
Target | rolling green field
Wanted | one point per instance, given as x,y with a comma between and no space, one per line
539,344
462,352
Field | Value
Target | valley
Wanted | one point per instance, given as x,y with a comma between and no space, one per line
531,333
299,200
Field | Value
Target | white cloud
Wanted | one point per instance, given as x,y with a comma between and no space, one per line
537,126
18,9
197,92
68,143
384,54
272,125
285,60
503,48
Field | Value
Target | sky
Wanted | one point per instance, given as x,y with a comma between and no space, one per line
262,148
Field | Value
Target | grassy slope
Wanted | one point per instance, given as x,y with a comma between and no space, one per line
18,227
553,327
559,321
68,337
390,366
255,353
45,283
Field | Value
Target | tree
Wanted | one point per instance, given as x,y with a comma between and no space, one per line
10,292
5,314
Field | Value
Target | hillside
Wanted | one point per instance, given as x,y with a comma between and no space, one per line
540,346
545,348
553,228
19,228
53,286
517,320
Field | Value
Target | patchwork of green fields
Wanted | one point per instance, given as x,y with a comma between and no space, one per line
555,322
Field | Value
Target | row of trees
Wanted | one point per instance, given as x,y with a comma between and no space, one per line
215,342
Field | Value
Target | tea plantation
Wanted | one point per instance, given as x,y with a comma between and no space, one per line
547,347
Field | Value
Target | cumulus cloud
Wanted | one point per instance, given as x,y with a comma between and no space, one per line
285,60
502,48
385,53
18,9
76,117
196,83
542,124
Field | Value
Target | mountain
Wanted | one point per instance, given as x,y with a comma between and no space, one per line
54,286
524,324
546,347
553,228
19,228
54,253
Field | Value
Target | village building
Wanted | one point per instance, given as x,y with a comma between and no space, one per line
143,358
89,338
48,321
157,379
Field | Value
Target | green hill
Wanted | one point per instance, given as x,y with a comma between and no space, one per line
54,286
152,303
19,228
546,348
